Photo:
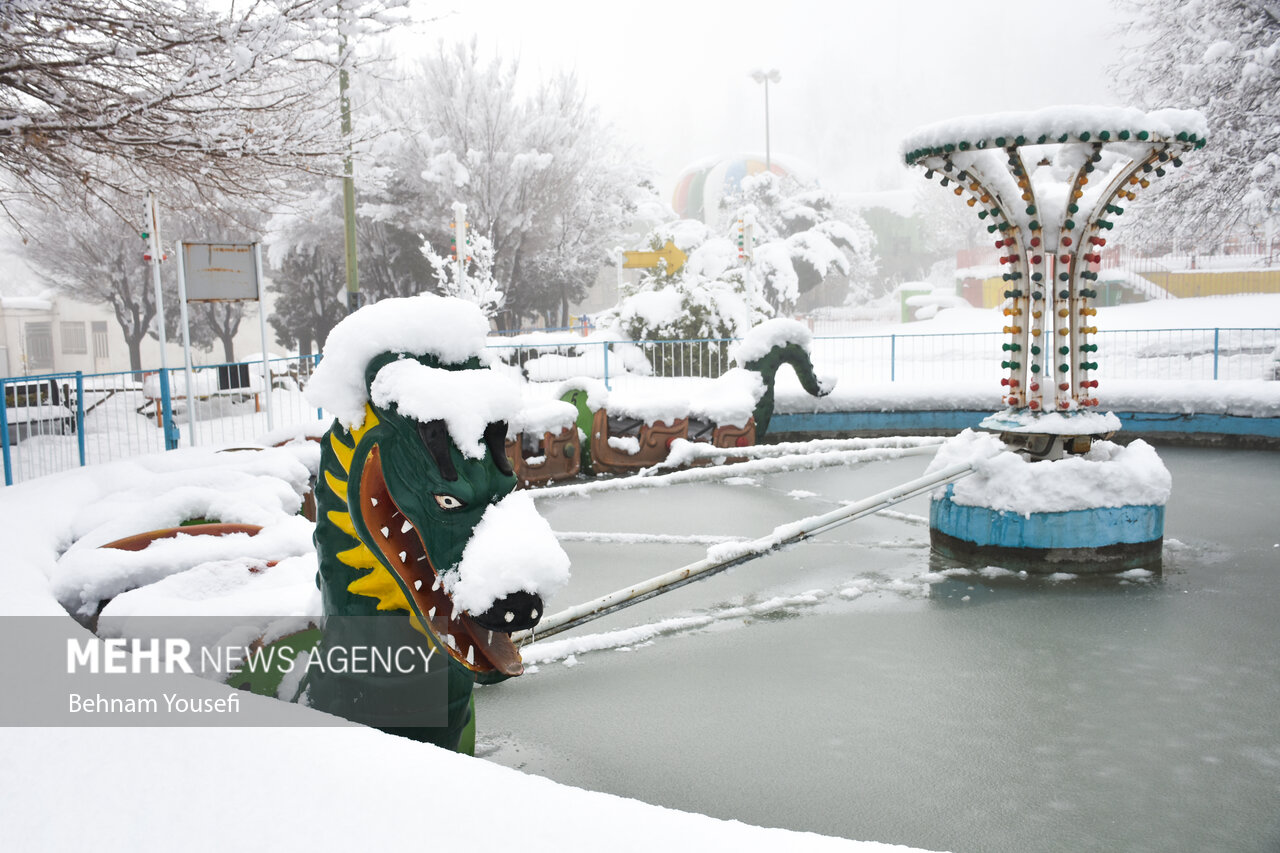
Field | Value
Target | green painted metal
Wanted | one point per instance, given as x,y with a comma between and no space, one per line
767,366
368,591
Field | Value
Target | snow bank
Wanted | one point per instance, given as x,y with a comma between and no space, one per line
450,329
512,549
375,773
1109,475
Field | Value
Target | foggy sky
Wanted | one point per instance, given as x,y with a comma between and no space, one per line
857,76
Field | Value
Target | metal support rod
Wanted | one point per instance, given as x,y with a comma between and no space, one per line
780,537
262,324
4,434
166,400
1216,341
348,185
186,345
80,415
768,165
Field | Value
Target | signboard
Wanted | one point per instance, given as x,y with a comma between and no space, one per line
669,254
219,272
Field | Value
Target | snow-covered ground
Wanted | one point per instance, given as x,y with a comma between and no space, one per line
1158,356
287,788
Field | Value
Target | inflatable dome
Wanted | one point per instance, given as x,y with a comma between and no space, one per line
702,185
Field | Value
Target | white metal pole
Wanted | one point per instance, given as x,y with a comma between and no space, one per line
460,245
781,536
155,244
262,322
186,344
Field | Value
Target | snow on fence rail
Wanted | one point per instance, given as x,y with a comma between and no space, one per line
55,422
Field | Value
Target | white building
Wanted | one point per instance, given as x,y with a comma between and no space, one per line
53,333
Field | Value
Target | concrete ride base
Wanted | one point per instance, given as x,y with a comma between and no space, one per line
1097,540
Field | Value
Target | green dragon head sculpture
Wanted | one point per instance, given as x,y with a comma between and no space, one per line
413,466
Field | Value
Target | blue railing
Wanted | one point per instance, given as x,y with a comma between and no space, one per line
57,421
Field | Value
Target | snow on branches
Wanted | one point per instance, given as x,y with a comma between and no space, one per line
129,93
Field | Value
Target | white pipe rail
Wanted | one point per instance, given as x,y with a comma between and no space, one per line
721,557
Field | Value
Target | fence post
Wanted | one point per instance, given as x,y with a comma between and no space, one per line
893,358
166,405
4,436
1215,352
80,414
314,364
605,344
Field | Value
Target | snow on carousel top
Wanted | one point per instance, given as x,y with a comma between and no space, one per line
1073,422
448,328
1054,125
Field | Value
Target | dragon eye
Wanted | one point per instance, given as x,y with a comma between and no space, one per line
448,502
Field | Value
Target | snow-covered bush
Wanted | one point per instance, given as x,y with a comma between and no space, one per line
803,238
709,299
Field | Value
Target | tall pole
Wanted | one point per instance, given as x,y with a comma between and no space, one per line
460,258
153,256
766,77
348,183
768,165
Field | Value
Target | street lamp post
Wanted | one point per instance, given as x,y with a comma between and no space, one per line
766,77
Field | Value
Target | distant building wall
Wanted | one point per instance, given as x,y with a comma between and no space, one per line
1191,283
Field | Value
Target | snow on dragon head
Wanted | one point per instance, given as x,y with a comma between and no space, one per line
416,511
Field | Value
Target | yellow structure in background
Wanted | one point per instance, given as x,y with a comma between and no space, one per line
1183,284
1189,283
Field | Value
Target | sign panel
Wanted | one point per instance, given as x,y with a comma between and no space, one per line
219,272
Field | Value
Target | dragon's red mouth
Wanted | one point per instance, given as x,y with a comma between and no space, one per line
475,647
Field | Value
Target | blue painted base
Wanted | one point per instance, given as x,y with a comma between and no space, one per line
1102,539
1134,423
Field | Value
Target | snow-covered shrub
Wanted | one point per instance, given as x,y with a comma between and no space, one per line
803,237
708,299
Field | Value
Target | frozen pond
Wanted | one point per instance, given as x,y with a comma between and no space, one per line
965,713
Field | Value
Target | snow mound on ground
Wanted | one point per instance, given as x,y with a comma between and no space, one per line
512,549
448,328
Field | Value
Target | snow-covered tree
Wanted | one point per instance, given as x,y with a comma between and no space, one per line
311,282
803,237
541,176
92,254
476,284
1221,57
709,296
101,95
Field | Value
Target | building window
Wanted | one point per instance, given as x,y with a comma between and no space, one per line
39,345
73,342
99,338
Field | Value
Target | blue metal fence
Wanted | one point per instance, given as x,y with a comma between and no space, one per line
58,421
